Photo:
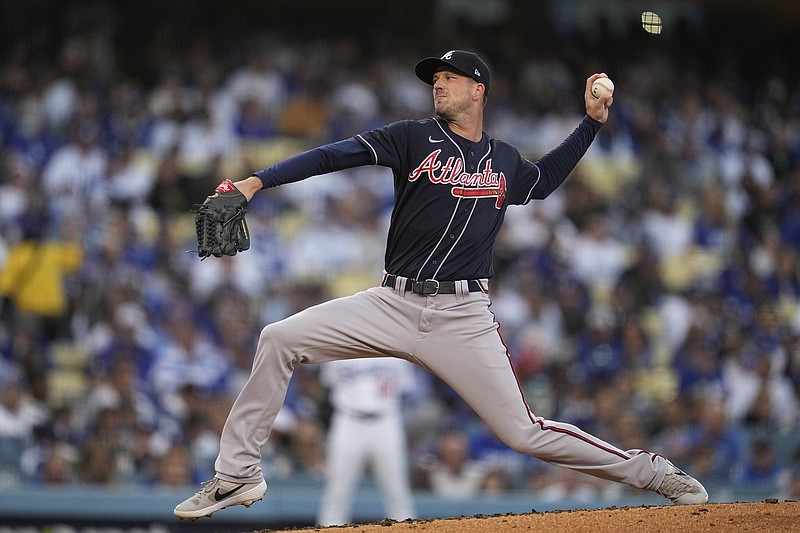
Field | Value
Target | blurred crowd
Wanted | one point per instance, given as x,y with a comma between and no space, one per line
653,300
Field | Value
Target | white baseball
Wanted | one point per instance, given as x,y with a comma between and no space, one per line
602,86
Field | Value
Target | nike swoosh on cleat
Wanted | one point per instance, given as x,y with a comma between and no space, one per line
219,496
432,140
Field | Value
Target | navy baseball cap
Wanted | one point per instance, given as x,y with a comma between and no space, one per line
467,63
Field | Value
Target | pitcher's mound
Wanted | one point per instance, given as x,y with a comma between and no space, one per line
771,515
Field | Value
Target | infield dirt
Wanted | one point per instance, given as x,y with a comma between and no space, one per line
767,516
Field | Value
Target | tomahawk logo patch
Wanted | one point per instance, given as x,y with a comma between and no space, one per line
498,192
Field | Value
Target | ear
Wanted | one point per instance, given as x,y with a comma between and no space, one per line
479,91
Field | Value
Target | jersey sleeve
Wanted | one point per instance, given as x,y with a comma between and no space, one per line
387,146
324,159
551,170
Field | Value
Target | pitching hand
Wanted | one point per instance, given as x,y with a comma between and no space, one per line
597,108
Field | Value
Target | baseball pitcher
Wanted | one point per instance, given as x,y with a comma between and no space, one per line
453,183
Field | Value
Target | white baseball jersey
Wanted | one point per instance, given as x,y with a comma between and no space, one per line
366,429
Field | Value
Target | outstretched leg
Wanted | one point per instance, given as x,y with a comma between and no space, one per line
372,323
463,347
354,326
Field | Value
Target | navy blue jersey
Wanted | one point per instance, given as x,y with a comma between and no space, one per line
451,194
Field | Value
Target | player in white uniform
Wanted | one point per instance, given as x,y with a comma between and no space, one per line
366,430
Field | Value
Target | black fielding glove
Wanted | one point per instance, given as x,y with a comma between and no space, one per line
220,224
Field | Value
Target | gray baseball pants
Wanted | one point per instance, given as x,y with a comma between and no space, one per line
456,337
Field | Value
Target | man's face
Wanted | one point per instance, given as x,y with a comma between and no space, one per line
452,93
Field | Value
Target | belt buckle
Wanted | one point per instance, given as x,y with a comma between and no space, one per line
427,291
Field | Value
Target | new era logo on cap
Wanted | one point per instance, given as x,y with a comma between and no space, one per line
468,63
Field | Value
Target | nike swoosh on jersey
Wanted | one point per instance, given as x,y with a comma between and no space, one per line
219,496
432,140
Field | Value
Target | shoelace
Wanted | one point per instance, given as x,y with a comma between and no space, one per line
673,484
206,488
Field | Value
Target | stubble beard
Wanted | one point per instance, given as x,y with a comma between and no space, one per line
450,110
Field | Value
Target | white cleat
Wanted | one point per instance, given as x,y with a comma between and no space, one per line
218,494
682,488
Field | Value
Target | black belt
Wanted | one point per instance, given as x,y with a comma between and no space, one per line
362,415
430,286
